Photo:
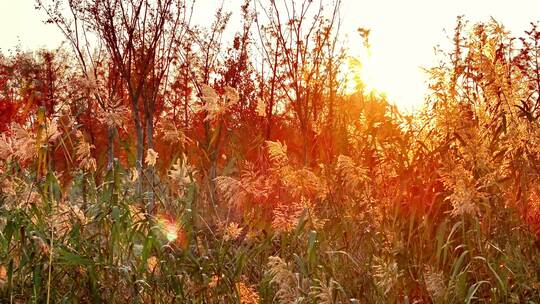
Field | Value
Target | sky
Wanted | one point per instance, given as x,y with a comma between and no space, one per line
403,34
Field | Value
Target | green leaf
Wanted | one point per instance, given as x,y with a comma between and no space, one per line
36,279
115,213
472,291
71,258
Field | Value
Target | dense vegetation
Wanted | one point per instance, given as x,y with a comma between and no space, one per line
148,161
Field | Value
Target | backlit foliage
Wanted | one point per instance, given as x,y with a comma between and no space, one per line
158,163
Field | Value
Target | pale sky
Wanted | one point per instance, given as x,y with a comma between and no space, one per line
403,33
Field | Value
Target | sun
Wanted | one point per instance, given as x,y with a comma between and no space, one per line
363,73
370,70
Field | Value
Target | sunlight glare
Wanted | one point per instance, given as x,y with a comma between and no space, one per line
169,228
172,233
364,73
372,72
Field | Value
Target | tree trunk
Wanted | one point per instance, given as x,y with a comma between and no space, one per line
140,145
150,171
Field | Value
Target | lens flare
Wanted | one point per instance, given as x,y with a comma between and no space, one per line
169,228
172,233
